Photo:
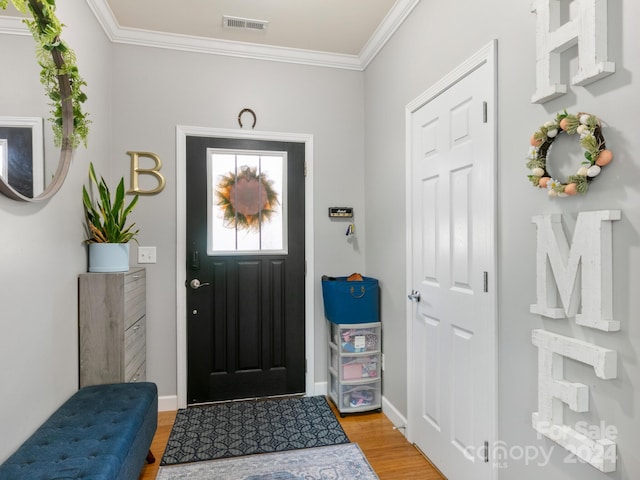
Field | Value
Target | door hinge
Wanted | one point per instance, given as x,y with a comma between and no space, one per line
305,168
305,365
486,282
484,112
486,451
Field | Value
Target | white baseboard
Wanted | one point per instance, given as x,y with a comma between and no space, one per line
168,403
392,413
319,388
399,421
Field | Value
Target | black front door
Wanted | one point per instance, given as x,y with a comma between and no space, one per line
245,291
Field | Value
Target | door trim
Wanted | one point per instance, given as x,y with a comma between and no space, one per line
182,132
486,55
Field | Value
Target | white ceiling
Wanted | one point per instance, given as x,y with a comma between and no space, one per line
334,26
334,33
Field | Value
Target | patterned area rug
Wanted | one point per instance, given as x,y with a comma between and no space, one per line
258,426
336,462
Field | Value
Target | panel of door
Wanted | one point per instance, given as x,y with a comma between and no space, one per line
452,205
245,310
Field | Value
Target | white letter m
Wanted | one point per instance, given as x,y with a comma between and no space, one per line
590,252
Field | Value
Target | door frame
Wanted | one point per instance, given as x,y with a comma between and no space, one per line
182,132
486,55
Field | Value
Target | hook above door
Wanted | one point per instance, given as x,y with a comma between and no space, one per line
253,114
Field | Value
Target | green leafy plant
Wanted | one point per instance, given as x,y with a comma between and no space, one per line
107,218
57,60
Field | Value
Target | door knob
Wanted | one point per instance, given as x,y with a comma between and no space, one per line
195,284
414,296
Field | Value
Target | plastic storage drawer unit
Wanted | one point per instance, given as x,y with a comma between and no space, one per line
355,367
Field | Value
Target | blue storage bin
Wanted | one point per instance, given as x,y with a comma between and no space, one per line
348,302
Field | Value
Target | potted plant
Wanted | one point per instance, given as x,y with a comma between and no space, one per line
109,234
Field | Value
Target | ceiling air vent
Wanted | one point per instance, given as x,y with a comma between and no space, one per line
245,23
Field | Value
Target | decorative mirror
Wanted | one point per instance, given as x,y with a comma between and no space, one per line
21,137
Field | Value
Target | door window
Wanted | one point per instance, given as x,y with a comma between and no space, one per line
247,204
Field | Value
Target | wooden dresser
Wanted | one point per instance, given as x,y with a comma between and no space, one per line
112,327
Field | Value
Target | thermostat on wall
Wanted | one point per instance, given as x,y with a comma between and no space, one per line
340,212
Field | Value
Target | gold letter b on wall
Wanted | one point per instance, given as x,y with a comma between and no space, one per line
136,170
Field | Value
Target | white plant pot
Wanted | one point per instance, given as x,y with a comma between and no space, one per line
108,257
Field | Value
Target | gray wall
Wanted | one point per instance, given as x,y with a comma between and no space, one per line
41,249
158,89
438,36
138,95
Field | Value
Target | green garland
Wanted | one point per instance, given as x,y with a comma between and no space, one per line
596,155
46,30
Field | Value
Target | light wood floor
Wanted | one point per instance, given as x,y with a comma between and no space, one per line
386,449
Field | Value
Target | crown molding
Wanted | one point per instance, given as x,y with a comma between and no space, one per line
13,26
386,29
146,38
188,43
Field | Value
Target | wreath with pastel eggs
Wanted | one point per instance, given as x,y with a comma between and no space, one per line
589,129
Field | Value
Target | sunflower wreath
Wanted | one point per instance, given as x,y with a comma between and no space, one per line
246,198
589,128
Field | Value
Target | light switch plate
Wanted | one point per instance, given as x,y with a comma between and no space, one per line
146,254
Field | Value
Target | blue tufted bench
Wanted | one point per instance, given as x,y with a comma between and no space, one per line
101,432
